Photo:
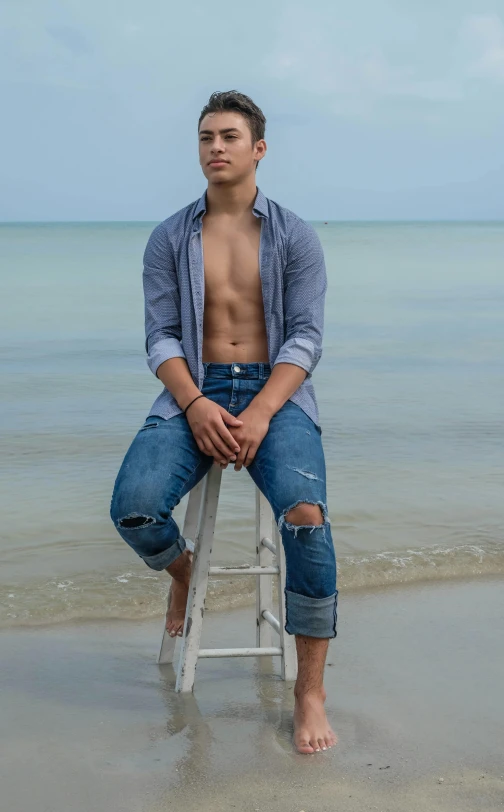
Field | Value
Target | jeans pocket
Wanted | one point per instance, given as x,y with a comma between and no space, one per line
150,423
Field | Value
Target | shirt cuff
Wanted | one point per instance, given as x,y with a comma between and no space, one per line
299,351
162,351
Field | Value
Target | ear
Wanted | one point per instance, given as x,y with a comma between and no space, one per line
260,149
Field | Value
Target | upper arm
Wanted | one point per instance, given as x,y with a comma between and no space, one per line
305,282
161,288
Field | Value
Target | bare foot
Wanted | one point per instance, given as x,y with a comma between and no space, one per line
179,589
312,731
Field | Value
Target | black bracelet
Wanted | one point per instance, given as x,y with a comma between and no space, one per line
192,401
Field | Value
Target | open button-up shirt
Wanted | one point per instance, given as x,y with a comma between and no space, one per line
293,281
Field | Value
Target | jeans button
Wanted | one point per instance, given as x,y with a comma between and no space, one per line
236,369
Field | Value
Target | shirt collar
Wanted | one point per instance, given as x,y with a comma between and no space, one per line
261,204
200,207
260,207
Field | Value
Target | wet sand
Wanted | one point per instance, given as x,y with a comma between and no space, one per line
89,721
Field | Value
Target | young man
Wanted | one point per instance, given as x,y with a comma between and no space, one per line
234,299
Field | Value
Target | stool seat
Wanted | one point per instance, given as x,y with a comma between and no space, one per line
199,526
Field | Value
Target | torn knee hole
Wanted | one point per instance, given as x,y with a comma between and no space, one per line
305,514
298,523
135,521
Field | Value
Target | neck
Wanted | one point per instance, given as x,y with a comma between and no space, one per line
232,199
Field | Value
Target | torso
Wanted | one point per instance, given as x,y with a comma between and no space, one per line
234,327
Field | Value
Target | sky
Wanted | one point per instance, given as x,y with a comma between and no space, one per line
375,110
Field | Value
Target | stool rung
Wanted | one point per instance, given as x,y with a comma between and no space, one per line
267,615
271,546
240,652
245,570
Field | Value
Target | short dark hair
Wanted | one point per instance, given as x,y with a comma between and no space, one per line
235,102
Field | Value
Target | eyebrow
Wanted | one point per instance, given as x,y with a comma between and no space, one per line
223,132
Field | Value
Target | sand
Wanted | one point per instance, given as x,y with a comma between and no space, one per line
89,721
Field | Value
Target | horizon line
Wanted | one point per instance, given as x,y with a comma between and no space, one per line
309,220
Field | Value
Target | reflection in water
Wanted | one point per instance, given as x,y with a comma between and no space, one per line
252,722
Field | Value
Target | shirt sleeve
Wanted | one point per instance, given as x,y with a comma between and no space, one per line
305,285
163,331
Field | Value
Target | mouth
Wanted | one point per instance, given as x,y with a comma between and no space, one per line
218,163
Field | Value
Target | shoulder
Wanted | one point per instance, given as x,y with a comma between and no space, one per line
294,228
301,244
168,235
177,223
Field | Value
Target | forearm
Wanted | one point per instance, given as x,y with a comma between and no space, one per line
284,380
174,374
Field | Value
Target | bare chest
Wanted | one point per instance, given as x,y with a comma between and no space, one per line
231,259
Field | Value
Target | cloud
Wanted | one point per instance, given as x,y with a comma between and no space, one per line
373,95
354,69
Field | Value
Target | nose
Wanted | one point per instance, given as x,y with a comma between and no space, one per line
218,145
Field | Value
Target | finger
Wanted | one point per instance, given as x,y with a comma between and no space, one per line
240,458
228,438
249,459
207,447
219,443
210,450
200,445
221,446
230,419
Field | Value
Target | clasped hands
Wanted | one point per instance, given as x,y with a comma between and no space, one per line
227,438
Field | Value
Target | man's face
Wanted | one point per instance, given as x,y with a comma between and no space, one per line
226,151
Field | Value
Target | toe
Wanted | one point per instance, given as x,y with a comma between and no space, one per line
322,744
304,747
314,743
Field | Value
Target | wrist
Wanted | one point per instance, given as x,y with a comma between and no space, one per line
198,397
188,398
263,407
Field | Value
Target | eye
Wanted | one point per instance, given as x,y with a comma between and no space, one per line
230,136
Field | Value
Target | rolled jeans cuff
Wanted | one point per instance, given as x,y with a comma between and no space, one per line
312,617
162,560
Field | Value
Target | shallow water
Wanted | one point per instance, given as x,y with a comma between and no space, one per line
413,692
410,390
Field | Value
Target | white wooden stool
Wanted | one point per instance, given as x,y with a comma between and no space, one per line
199,525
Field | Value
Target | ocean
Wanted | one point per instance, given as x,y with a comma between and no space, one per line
410,389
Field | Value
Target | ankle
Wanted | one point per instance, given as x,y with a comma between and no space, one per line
302,693
180,570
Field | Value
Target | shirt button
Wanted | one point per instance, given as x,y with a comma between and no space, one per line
236,369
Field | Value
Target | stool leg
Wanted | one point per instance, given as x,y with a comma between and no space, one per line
264,558
199,581
191,522
287,642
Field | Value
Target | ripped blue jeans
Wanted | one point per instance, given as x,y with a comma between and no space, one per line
164,463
